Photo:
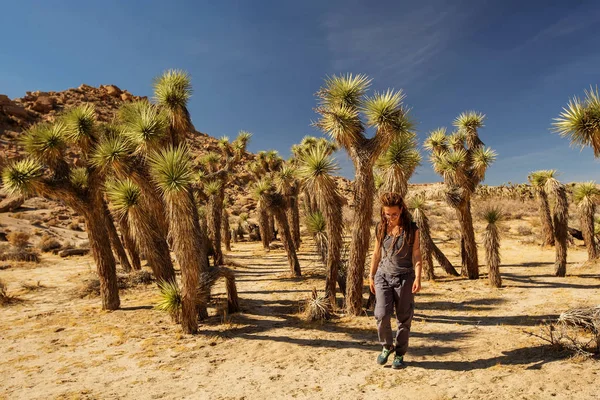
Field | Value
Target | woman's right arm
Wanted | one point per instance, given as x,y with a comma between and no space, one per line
374,264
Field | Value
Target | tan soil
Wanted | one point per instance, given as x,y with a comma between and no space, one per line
467,340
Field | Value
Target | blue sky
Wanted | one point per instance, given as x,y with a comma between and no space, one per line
256,65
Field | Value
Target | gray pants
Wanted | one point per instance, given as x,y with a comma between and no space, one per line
394,291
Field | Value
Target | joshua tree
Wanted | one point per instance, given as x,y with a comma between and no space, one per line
172,90
580,121
130,244
316,169
275,203
315,225
491,242
560,222
225,228
341,101
538,182
260,189
172,171
398,163
585,196
417,204
288,185
462,164
126,199
46,173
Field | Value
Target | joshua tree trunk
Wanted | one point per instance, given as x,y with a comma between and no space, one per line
443,260
491,243
334,225
361,233
263,225
425,245
546,218
95,220
130,244
115,241
293,215
587,229
277,206
146,231
214,226
225,230
187,246
272,228
561,217
471,267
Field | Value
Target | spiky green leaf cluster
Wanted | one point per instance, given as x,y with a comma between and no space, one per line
111,152
469,120
212,188
80,124
316,163
20,176
79,178
123,194
171,300
315,223
171,169
437,142
492,214
586,192
144,125
45,141
580,121
173,89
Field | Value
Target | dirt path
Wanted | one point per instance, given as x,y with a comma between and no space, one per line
467,339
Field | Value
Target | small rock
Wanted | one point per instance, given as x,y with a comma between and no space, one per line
125,96
11,203
15,111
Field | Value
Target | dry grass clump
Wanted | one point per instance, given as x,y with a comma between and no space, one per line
89,287
576,330
18,239
524,230
317,308
140,278
8,253
48,243
31,287
5,298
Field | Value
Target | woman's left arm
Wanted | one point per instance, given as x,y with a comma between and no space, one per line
416,255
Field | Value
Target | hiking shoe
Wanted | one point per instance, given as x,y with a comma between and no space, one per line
398,362
383,357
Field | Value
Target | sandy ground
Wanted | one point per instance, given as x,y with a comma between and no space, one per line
467,341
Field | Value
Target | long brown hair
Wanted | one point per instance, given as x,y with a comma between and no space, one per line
393,199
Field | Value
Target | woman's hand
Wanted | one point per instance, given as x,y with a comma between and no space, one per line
416,287
372,284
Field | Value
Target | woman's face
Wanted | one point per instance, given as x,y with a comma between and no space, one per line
392,215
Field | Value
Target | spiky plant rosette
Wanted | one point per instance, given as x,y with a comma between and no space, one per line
79,178
170,300
45,141
212,188
173,89
580,121
80,125
586,194
317,307
492,214
20,177
171,169
386,112
123,194
144,125
112,155
437,142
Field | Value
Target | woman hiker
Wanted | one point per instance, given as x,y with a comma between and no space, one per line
395,276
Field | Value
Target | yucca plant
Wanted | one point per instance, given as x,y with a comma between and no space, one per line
538,182
225,227
560,222
275,203
315,226
580,121
342,103
398,163
260,188
462,161
317,307
170,300
288,184
316,170
47,173
126,199
491,242
171,169
585,196
172,90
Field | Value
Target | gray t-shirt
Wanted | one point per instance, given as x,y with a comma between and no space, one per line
395,260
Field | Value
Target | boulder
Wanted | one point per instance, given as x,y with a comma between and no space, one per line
125,96
4,100
15,111
11,203
43,104
113,91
